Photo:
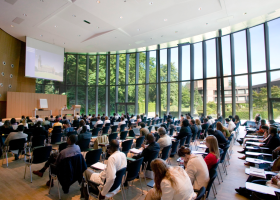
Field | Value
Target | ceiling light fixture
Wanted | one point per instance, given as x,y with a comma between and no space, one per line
151,3
24,15
244,13
162,36
63,42
151,38
55,26
138,29
199,8
97,1
97,26
165,20
121,17
206,23
12,26
176,31
79,35
41,35
73,15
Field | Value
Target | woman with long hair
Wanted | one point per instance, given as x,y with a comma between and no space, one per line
223,129
171,183
214,154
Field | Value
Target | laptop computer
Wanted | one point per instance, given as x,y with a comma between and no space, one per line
116,123
136,131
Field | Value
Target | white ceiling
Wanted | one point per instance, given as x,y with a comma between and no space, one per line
141,25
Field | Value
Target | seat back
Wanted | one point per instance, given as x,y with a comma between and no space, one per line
156,135
99,125
83,144
126,146
114,128
153,122
123,135
108,124
212,175
38,140
149,123
182,141
93,157
134,169
131,133
201,193
47,127
150,128
112,136
17,144
165,152
224,153
118,179
214,167
122,127
95,131
105,130
55,138
174,147
171,131
41,154
72,133
139,142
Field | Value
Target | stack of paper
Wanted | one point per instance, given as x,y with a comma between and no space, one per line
99,166
257,172
136,151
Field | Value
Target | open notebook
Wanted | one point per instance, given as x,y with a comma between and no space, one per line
99,166
257,172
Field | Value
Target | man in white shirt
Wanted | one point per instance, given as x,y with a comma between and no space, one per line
121,123
156,117
78,116
231,125
164,139
14,136
98,122
116,162
38,119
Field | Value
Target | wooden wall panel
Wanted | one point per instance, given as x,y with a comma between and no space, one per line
23,103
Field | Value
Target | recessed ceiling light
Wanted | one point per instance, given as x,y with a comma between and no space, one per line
24,15
151,38
97,26
151,3
12,26
206,23
121,17
79,35
63,42
97,1
199,8
115,37
162,36
55,26
138,29
244,13
176,31
41,35
165,20
129,44
73,15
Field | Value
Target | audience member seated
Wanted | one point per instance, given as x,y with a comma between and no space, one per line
78,116
121,123
143,131
46,122
205,125
261,131
198,125
214,155
222,141
138,119
195,167
57,123
116,161
107,121
66,125
81,124
6,128
64,120
223,129
164,139
84,134
181,120
38,119
98,122
150,152
93,118
52,119
156,117
210,120
170,183
185,131
55,158
193,129
14,136
22,118
28,120
40,130
1,123
103,117
169,116
230,125
220,117
236,119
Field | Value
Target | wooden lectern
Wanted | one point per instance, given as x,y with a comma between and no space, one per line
77,109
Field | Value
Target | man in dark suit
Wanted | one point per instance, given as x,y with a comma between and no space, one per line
150,152
84,134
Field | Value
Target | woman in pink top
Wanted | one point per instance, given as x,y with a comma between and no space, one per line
138,119
213,157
